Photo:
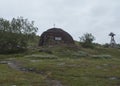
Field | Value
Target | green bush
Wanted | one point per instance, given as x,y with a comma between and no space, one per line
15,34
86,40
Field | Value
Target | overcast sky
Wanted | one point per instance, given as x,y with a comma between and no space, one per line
99,17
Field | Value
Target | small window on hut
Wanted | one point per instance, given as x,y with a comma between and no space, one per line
58,38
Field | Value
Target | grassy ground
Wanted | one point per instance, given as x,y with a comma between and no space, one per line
10,77
69,65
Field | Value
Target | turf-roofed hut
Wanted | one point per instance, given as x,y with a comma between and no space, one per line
55,36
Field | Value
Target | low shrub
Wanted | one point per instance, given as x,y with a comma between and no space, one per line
80,54
101,56
46,51
36,56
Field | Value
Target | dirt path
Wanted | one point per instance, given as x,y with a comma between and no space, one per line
16,65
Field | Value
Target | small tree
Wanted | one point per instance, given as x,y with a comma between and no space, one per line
15,34
86,40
